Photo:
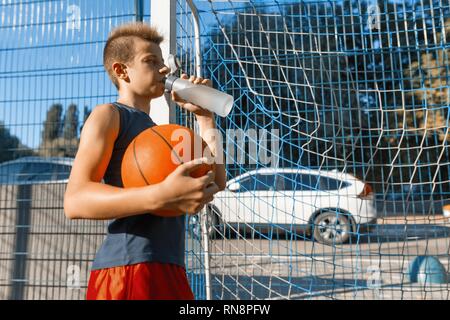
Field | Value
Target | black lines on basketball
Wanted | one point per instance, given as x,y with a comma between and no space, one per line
137,162
168,144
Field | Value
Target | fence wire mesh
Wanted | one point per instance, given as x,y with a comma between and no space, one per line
358,87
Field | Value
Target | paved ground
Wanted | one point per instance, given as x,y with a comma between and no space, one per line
373,266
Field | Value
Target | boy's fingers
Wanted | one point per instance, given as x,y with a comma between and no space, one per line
190,166
207,178
198,80
208,199
211,189
176,98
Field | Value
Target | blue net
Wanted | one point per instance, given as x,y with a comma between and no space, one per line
336,149
338,141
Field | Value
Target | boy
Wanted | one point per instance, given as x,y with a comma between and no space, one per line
142,256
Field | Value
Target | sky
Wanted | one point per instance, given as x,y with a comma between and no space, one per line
51,52
47,57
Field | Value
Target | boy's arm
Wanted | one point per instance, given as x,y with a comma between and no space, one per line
87,198
208,132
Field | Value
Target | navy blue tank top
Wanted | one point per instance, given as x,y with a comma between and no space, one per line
145,237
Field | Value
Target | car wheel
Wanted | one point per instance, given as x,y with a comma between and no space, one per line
332,228
212,224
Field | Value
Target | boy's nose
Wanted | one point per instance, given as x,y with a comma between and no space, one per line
165,70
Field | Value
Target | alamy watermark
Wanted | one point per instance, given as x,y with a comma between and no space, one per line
374,280
373,17
73,20
73,277
242,147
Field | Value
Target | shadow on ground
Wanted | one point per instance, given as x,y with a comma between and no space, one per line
401,233
226,287
380,233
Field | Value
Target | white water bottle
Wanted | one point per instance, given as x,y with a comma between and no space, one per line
200,95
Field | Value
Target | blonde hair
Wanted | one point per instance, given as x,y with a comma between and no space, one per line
120,44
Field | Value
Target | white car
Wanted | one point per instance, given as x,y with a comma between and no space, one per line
328,205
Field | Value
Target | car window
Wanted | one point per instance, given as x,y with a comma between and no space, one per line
33,172
36,171
258,182
61,172
326,183
305,182
285,181
295,181
280,182
265,182
247,183
291,182
10,172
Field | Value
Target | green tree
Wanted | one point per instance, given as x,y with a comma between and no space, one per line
70,130
430,82
331,85
60,137
86,112
53,123
10,146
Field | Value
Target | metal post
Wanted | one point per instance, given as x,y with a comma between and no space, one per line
164,18
205,223
198,55
204,219
21,241
139,10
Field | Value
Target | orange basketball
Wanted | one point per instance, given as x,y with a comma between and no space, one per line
159,150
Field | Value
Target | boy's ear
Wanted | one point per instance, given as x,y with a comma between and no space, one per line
120,70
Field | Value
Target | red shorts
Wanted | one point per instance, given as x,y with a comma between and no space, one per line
142,281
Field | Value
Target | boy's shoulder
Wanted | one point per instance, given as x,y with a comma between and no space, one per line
105,111
104,107
104,117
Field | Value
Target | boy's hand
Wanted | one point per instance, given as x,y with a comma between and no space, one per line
198,111
182,193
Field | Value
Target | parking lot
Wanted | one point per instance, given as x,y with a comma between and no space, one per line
372,266
262,266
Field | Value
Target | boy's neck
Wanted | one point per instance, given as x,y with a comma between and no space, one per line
141,103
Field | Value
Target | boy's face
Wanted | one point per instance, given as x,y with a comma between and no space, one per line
147,70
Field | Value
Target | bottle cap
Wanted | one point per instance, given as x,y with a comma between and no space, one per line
173,62
168,82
